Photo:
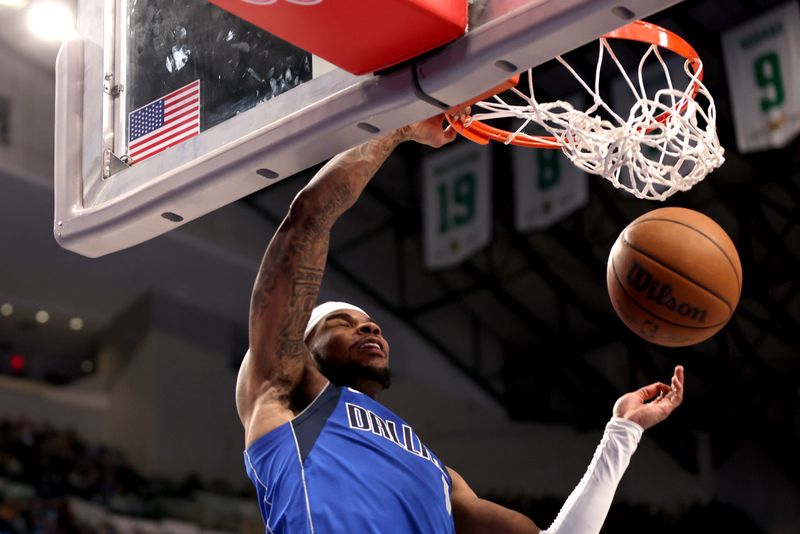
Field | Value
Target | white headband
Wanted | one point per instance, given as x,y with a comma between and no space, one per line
326,308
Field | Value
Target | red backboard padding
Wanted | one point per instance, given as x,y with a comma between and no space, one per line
359,36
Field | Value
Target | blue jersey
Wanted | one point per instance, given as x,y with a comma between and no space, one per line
348,464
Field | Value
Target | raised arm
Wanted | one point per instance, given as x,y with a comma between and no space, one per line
587,506
286,287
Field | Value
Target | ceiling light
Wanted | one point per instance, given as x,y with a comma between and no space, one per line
52,21
87,366
42,316
6,309
76,323
16,4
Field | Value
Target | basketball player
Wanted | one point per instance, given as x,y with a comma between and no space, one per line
326,457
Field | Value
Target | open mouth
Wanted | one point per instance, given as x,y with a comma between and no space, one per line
370,345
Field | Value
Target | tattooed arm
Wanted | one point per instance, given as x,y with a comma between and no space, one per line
277,377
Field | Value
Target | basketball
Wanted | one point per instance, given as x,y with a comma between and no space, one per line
674,277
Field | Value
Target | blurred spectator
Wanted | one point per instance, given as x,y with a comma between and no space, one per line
56,465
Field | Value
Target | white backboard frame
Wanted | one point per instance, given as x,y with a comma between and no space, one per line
95,216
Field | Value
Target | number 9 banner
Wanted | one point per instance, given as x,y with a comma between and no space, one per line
762,59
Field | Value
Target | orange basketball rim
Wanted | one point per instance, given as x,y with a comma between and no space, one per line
644,32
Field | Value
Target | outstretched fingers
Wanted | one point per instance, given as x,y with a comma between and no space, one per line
670,397
677,380
653,403
676,388
652,392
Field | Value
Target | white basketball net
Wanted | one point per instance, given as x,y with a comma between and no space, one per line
648,156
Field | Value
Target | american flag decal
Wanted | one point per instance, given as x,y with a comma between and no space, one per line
163,123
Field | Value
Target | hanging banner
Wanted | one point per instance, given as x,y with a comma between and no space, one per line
762,59
457,203
547,188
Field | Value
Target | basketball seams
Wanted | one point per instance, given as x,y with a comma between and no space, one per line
679,273
673,221
638,304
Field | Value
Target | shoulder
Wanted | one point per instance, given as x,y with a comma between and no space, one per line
461,490
265,404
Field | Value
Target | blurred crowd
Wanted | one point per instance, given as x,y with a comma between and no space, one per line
42,468
45,472
56,463
41,465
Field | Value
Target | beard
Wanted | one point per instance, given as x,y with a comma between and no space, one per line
348,374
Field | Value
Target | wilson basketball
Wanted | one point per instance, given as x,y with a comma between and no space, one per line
674,277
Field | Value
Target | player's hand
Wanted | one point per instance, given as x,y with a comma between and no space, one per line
429,132
462,114
651,404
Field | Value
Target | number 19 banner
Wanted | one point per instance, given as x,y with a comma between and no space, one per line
458,204
762,58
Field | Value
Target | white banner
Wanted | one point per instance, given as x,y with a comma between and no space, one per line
762,58
547,188
457,202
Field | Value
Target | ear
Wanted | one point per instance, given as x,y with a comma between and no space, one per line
309,338
312,344
316,358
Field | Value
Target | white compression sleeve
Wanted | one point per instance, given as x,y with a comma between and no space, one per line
588,504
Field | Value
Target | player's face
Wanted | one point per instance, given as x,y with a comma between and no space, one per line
350,350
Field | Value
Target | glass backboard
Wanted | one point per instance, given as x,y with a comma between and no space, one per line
167,110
